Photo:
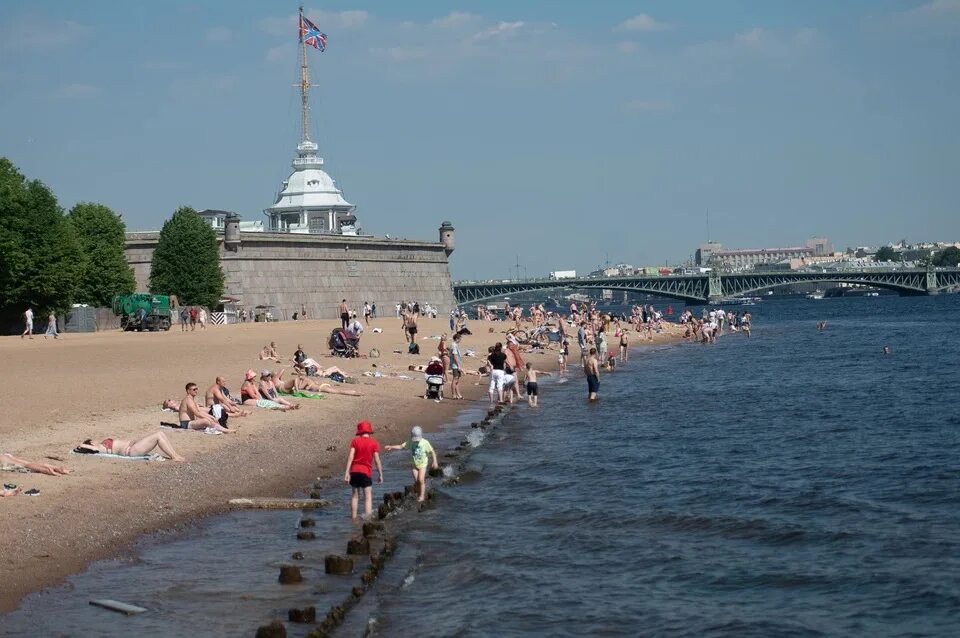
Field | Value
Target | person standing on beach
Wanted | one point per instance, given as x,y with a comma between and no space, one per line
193,318
184,316
364,452
51,327
562,357
624,346
456,366
420,449
344,311
27,323
410,326
592,369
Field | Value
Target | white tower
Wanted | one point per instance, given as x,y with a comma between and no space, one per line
309,200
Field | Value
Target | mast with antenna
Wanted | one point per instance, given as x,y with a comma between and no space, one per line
304,86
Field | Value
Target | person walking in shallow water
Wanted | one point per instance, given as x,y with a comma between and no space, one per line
364,452
592,369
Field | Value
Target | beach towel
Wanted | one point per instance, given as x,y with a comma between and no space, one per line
149,457
174,426
300,394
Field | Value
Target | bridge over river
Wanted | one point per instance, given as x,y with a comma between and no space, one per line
712,286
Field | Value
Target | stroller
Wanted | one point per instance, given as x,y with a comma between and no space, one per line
434,378
434,387
341,345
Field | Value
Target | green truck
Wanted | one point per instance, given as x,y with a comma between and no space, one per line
143,311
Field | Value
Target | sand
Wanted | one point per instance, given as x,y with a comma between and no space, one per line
58,393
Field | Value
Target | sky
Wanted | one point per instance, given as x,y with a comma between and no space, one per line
557,134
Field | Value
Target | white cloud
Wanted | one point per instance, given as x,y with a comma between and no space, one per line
455,20
35,34
283,52
77,91
406,54
326,20
641,22
218,35
755,37
940,7
647,105
500,30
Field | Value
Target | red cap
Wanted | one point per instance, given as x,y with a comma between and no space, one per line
364,427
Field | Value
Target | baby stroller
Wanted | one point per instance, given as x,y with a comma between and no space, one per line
434,387
434,378
340,345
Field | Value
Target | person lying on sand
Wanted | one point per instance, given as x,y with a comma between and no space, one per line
269,353
127,447
218,394
306,384
10,463
194,418
319,370
268,390
170,404
5,492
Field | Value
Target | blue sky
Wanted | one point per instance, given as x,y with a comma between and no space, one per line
567,133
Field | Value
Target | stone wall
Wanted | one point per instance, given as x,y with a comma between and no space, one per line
317,271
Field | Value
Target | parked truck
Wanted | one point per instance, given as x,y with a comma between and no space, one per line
563,274
143,311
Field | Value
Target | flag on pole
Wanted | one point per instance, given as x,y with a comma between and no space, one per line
311,35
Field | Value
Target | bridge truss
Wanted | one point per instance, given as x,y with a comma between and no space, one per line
715,285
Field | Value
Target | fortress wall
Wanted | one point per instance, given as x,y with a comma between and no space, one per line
291,270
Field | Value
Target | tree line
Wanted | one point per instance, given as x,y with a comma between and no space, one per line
51,259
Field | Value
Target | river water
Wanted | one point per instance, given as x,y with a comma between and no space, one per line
796,483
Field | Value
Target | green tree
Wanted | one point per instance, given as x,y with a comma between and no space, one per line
40,256
887,254
948,257
186,262
105,271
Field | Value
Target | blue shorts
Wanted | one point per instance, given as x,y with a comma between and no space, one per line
593,383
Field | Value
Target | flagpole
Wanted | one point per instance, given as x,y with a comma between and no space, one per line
304,85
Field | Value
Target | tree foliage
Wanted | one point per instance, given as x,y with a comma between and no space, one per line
104,271
949,257
887,253
40,256
186,261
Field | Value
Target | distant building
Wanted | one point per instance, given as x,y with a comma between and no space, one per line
714,254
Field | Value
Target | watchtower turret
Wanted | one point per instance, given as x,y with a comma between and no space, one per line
446,237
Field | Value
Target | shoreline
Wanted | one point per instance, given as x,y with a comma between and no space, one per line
59,534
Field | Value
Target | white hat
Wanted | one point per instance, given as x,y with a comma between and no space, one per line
416,433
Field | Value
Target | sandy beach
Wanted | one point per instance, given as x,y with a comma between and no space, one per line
111,384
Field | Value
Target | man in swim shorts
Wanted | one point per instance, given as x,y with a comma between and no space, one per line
592,369
533,388
192,417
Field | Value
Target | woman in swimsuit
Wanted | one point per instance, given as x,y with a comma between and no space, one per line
250,394
129,447
304,384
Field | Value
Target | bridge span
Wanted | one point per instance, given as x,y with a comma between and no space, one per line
712,286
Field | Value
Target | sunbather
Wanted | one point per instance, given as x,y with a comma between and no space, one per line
306,384
218,394
269,353
10,463
194,418
127,447
250,394
269,391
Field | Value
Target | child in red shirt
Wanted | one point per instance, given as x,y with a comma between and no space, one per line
364,451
